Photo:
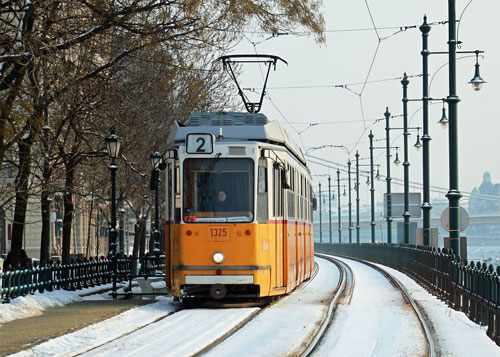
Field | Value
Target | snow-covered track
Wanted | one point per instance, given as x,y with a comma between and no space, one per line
425,325
343,293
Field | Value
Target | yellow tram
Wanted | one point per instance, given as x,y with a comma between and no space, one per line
238,208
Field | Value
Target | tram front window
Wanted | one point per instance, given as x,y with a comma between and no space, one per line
218,190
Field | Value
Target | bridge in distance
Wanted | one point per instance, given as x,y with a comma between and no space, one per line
483,220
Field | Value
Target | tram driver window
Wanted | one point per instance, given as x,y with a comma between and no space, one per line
218,190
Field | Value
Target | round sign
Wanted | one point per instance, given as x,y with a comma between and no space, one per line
464,219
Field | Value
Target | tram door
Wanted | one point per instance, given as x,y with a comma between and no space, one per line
169,218
279,235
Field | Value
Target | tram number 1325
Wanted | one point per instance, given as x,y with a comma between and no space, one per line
219,233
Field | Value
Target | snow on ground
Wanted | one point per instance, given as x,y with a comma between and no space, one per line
183,334
33,305
456,334
376,317
97,334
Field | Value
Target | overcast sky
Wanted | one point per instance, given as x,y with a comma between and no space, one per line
345,116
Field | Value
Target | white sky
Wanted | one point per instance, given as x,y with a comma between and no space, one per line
346,58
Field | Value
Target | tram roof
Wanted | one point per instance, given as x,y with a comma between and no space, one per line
236,126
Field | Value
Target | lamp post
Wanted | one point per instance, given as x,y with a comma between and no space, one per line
426,205
156,160
388,179
406,163
357,198
372,189
387,148
330,206
339,208
358,227
113,144
453,194
350,202
320,223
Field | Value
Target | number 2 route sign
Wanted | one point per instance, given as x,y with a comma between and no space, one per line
199,143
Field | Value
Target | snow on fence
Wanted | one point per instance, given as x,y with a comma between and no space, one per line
77,275
472,288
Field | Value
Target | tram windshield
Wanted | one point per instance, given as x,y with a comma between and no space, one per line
218,190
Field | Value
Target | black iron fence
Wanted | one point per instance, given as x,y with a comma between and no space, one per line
78,275
472,288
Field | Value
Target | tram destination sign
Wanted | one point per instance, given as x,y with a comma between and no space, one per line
398,205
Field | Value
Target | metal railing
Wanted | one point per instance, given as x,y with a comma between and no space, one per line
472,288
78,275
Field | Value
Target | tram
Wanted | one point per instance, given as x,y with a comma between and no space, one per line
239,208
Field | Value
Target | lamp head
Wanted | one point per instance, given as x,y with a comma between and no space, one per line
477,82
397,162
444,120
418,144
156,159
113,143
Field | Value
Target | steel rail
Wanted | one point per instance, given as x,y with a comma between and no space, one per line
428,330
344,289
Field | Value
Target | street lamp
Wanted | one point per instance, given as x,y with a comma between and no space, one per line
406,163
397,162
444,120
477,81
113,144
350,202
339,209
418,145
372,189
330,206
156,160
357,198
320,222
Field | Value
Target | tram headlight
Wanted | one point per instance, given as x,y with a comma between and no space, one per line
218,258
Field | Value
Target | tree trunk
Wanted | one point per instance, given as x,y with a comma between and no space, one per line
135,250
142,239
22,181
45,235
45,199
68,210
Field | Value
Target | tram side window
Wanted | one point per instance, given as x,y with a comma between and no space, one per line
277,194
262,194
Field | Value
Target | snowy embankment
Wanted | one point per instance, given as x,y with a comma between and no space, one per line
456,334
34,305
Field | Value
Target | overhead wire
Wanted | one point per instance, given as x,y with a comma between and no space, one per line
417,185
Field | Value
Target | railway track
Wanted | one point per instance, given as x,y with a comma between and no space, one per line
425,325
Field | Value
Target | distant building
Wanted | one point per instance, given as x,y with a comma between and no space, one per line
486,198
